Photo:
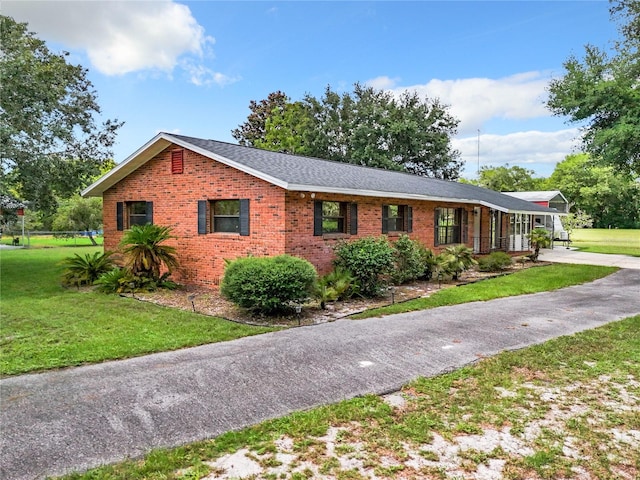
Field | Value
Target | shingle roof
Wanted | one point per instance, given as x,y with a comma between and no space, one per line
299,173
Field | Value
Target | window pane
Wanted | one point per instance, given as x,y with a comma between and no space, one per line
226,224
333,215
227,207
137,213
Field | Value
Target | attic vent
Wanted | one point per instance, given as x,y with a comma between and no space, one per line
177,161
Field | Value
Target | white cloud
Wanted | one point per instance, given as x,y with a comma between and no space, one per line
121,37
474,101
534,150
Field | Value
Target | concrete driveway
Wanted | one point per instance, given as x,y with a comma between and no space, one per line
74,419
570,255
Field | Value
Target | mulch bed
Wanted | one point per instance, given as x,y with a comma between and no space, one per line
210,302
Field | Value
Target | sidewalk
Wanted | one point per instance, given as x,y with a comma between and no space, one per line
564,255
77,418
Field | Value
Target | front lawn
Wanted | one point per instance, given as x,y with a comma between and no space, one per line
530,280
44,326
602,240
567,408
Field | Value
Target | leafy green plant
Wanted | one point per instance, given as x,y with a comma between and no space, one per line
369,260
539,238
429,263
268,285
337,285
114,281
495,262
409,262
87,269
456,259
145,251
120,280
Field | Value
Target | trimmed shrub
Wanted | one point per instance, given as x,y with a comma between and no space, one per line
409,264
495,262
85,270
268,285
369,260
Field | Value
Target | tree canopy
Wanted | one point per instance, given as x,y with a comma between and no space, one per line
366,127
610,198
508,179
602,91
51,144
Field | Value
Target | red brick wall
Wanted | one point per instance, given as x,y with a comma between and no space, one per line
319,249
175,204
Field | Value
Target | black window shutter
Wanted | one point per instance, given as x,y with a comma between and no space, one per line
409,219
465,225
317,218
435,227
202,217
150,213
244,217
120,216
353,218
385,218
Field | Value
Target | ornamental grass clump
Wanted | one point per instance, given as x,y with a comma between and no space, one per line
268,285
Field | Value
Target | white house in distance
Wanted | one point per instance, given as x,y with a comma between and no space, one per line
551,199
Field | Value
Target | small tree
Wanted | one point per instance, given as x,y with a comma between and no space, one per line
409,262
145,251
539,238
79,214
578,219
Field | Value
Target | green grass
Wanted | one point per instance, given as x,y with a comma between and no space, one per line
45,326
600,240
530,280
48,241
585,372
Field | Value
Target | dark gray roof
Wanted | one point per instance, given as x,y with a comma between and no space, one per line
299,172
306,174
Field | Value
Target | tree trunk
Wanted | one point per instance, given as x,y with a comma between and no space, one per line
93,240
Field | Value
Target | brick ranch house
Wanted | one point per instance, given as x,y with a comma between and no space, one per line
224,201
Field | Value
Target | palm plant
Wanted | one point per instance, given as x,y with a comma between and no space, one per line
85,270
145,252
456,259
539,238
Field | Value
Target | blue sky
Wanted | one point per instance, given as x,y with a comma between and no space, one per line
193,67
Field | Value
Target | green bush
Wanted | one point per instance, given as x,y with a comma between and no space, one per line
495,262
456,259
369,260
268,285
409,262
429,263
85,270
337,285
120,280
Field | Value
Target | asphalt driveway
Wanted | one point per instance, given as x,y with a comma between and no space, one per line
77,418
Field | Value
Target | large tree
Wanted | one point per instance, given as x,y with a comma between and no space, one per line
602,91
366,127
252,131
508,179
51,144
610,198
79,214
